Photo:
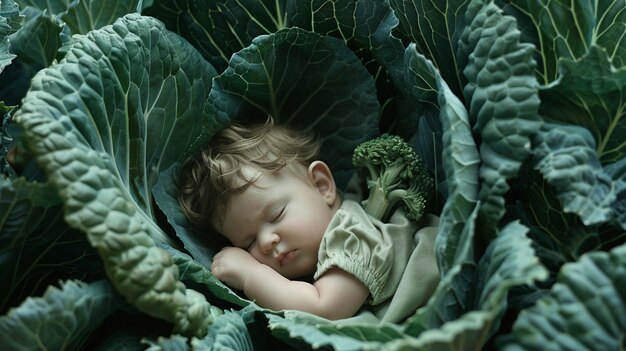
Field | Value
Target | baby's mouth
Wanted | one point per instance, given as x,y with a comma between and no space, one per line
286,257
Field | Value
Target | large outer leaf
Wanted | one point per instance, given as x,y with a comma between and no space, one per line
220,28
569,28
592,93
60,320
461,162
366,26
307,81
436,26
585,309
102,131
566,157
143,108
34,238
503,99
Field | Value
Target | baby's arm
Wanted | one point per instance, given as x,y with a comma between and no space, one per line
335,295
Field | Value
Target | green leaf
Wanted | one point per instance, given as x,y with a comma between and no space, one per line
82,16
10,10
140,120
565,155
509,261
503,97
591,93
120,107
52,7
193,271
228,332
10,21
435,27
303,331
122,340
173,343
5,53
563,29
39,40
449,302
220,28
583,311
366,26
86,15
617,171
49,25
559,236
60,320
6,140
418,82
461,162
33,238
306,81
201,247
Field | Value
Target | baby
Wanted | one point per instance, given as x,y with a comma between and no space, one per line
263,188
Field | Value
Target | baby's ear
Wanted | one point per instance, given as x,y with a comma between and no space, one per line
322,179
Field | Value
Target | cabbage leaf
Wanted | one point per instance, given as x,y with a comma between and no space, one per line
105,158
584,309
61,319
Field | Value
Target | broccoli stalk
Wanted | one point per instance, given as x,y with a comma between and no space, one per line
395,176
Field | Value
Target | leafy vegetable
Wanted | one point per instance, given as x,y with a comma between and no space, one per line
62,319
394,175
515,108
9,13
589,293
105,196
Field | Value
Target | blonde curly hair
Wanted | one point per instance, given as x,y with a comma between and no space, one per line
209,179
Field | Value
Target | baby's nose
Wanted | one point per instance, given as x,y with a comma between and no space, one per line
268,241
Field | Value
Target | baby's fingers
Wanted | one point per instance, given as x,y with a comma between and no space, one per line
217,266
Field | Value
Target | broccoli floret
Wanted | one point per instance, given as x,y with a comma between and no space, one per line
395,175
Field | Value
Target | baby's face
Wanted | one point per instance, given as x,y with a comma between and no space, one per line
281,218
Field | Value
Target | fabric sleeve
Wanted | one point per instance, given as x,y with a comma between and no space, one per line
363,247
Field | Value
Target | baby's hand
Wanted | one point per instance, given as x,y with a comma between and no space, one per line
232,265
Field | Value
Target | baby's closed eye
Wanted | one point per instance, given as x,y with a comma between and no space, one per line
277,214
